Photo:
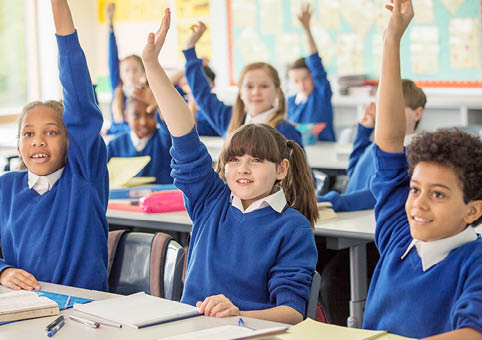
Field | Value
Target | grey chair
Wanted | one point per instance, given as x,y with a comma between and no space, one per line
147,262
314,310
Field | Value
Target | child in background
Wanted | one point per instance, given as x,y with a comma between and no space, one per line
259,100
428,282
145,138
125,76
361,166
52,219
251,254
312,102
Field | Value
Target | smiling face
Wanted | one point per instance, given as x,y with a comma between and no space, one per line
435,206
143,123
258,91
43,141
252,178
303,81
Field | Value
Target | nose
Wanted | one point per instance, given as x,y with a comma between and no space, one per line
421,202
243,168
38,141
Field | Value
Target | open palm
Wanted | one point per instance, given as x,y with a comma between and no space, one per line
156,41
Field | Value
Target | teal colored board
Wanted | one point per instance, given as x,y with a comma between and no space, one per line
469,9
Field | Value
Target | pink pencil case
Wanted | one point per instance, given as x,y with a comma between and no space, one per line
162,201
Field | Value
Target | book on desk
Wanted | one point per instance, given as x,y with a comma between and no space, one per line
138,310
20,305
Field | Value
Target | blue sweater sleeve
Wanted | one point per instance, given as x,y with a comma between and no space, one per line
87,151
290,277
361,142
217,114
318,73
113,61
193,173
356,200
390,186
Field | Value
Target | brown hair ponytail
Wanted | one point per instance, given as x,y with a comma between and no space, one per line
298,184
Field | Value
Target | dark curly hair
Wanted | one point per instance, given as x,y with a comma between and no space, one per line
455,149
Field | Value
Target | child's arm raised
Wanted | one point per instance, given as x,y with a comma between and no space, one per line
64,25
390,125
304,17
175,111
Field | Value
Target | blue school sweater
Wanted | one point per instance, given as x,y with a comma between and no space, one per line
361,167
61,236
258,260
157,147
403,299
317,108
113,59
216,112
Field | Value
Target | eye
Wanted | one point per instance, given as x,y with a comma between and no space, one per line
232,160
413,190
438,194
52,133
27,134
257,160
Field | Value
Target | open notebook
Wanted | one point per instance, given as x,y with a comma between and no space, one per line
23,304
138,310
122,171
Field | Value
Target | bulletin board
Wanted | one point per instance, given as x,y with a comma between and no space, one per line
441,48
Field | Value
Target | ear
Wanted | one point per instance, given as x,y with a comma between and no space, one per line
474,211
419,113
282,169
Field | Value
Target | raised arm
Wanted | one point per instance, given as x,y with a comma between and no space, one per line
390,125
175,111
64,25
113,56
304,17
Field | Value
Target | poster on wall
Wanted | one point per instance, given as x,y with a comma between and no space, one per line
134,10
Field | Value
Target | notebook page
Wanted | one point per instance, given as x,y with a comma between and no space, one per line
23,301
224,333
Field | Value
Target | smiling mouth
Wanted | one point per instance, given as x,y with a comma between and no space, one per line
419,220
40,157
244,181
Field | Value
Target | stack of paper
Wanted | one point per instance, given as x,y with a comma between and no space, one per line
139,310
23,304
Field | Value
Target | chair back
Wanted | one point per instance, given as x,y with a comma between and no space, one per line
147,262
314,310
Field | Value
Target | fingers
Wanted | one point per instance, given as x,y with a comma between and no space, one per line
217,306
161,33
18,279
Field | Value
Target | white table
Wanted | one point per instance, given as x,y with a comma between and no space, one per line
35,328
329,157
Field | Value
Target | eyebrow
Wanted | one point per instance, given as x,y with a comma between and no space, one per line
432,185
30,125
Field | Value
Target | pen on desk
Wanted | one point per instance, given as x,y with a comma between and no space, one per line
86,322
54,323
242,324
67,303
56,328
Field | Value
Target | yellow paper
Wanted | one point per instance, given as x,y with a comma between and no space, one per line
123,169
192,9
138,181
134,10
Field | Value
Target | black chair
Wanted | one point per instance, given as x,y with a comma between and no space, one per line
147,262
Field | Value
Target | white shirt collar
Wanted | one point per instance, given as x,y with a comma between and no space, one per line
433,252
263,117
300,98
139,143
42,184
276,200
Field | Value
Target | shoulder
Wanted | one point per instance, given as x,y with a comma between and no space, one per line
120,138
293,220
12,178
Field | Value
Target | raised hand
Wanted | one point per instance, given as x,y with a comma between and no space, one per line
402,14
368,119
110,10
218,306
156,41
18,279
305,16
197,32
145,95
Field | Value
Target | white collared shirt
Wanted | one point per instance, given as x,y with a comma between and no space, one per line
433,252
300,98
277,201
139,143
263,117
42,184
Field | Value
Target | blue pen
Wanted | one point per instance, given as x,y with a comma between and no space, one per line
242,324
55,329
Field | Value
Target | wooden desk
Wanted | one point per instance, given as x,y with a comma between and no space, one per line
35,328
329,157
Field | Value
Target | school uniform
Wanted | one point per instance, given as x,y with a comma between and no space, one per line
216,112
361,167
55,227
258,259
419,295
113,60
316,108
156,146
